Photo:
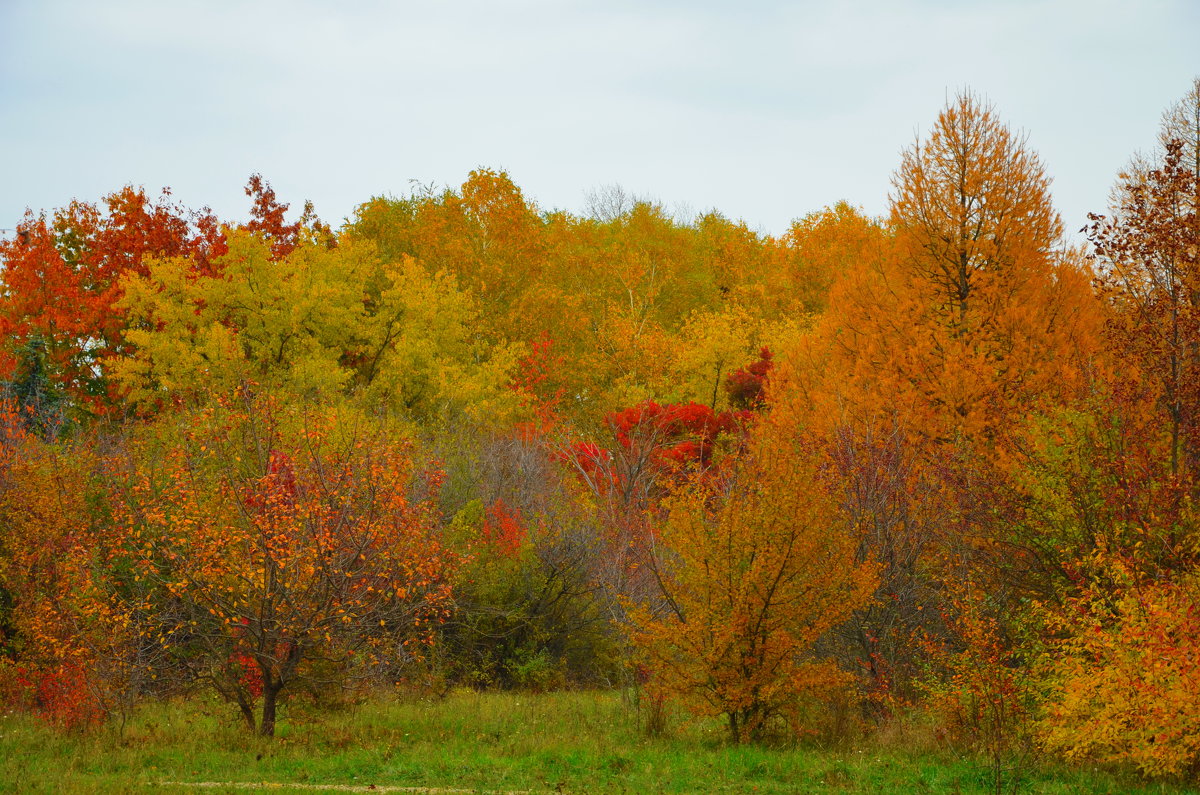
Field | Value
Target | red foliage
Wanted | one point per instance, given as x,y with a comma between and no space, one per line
62,277
267,218
504,529
537,376
250,676
675,435
277,486
61,696
747,386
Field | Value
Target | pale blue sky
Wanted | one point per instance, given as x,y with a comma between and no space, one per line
762,110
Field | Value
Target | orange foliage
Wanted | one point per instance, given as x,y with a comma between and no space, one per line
971,315
980,684
77,652
1125,669
284,546
750,576
62,279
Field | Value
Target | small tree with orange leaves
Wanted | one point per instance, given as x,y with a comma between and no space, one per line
69,649
750,579
290,548
1123,671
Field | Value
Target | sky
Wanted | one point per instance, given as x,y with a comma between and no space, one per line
764,111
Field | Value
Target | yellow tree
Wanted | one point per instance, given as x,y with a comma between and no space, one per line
815,251
751,575
710,347
317,321
285,320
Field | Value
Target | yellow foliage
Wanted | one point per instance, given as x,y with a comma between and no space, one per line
320,321
751,577
1124,673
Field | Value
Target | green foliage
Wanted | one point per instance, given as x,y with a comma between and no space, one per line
42,406
530,612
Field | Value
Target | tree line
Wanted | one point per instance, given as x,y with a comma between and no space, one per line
943,460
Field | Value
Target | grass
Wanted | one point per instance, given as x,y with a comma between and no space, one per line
578,742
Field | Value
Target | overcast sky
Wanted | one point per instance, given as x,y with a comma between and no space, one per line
762,110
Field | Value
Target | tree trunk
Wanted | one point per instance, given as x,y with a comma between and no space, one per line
270,700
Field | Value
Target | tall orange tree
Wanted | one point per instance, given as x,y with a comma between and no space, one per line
1002,312
966,317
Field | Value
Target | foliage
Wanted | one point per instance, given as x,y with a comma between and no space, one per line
1123,671
288,544
466,440
981,684
62,278
314,322
75,651
530,606
1150,250
750,579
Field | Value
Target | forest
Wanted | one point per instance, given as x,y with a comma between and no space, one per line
943,463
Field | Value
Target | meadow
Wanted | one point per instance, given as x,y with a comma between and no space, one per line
578,742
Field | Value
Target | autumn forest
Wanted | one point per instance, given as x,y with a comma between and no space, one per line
943,463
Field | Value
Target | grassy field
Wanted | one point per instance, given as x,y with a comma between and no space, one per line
471,742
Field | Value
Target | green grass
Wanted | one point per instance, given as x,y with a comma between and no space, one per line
576,742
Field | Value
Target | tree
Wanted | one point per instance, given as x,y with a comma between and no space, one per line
1149,251
961,320
751,576
711,345
1123,668
650,448
61,282
973,213
75,648
290,550
816,250
314,321
267,218
531,605
1001,312
1119,485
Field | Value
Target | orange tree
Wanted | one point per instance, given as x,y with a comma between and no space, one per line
70,651
61,279
751,574
284,545
1124,668
961,320
1118,486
